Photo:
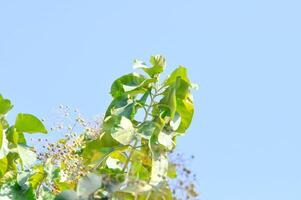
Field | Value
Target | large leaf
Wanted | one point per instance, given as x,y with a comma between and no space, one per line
5,105
38,176
172,170
16,192
178,99
130,84
12,136
169,100
122,106
139,171
29,123
147,129
121,129
97,149
104,153
136,187
46,194
4,147
186,110
67,195
159,168
87,185
3,166
3,122
27,156
158,63
1,135
165,139
180,72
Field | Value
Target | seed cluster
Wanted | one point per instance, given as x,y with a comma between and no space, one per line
64,153
184,186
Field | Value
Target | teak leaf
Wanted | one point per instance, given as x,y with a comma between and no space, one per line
29,123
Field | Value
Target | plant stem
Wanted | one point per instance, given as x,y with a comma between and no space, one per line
136,140
130,155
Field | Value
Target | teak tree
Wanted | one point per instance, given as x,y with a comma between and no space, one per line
126,157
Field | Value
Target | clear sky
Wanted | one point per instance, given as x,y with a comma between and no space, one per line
245,56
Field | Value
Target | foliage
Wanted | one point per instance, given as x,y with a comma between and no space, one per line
125,157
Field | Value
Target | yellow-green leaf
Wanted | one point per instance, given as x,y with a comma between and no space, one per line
29,123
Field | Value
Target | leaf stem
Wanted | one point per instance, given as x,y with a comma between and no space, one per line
130,155
136,140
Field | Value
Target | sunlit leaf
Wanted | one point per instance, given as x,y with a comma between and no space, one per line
29,123
172,171
139,171
159,168
165,140
180,72
3,166
87,185
38,176
96,150
122,106
130,84
27,156
186,110
158,65
113,163
5,105
4,147
120,128
67,195
12,135
147,128
1,135
137,187
15,192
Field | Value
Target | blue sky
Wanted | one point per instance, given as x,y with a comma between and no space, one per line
245,56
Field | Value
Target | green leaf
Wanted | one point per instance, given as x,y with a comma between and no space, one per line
15,192
12,136
1,135
122,196
37,178
93,150
143,99
178,99
165,140
87,185
139,171
147,129
120,128
5,105
4,147
122,106
186,110
131,84
67,195
180,72
27,156
46,195
172,171
22,178
113,163
169,100
3,166
29,123
164,192
3,122
104,152
158,63
159,168
137,187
